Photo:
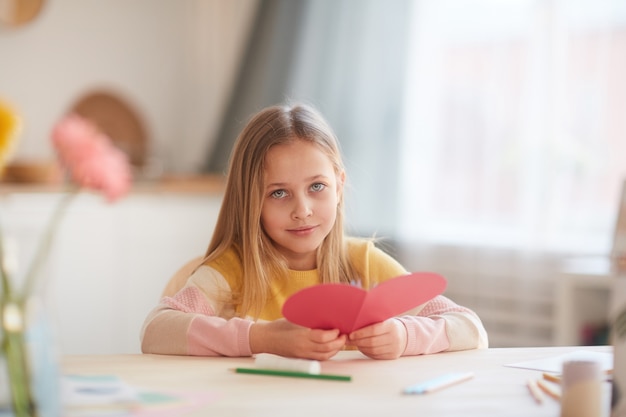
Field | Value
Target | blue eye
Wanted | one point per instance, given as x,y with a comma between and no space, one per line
279,194
318,186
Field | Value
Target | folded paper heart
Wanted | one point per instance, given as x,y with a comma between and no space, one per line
348,308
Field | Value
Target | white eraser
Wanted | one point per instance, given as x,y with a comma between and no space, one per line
269,361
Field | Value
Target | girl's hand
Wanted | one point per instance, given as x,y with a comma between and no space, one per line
284,338
385,340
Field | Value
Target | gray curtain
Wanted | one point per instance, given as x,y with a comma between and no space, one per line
347,58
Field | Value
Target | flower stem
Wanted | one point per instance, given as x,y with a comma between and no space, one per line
4,275
46,242
13,344
17,364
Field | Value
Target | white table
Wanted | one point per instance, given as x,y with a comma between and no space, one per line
375,389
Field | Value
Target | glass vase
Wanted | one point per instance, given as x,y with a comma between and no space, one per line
30,368
15,355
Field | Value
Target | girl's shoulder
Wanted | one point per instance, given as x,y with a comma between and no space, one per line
371,261
364,248
359,246
227,263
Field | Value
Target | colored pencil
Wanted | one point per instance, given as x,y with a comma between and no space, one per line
275,372
535,391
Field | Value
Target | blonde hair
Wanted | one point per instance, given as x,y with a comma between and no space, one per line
239,222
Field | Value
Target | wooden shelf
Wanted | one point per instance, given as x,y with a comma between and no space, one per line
200,184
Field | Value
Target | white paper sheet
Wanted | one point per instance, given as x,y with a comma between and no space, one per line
554,364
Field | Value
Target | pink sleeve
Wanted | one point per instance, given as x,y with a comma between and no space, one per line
425,335
442,325
185,324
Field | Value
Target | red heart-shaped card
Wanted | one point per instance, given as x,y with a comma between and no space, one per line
348,308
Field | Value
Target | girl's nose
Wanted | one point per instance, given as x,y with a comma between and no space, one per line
301,209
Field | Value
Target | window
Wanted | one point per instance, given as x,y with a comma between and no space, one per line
515,124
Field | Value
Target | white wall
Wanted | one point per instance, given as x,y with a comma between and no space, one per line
174,60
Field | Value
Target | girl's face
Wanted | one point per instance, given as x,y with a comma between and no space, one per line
300,201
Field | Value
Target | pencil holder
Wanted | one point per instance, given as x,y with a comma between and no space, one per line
581,386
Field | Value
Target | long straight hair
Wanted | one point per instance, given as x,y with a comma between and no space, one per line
239,222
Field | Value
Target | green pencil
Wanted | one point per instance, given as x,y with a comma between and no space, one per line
275,372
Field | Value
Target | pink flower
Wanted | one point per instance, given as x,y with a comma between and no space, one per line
91,158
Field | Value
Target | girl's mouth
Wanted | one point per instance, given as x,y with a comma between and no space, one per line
304,230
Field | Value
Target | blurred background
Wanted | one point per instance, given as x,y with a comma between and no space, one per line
484,140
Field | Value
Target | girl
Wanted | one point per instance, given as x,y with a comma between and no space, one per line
280,229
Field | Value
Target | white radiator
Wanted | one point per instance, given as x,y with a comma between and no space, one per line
512,292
